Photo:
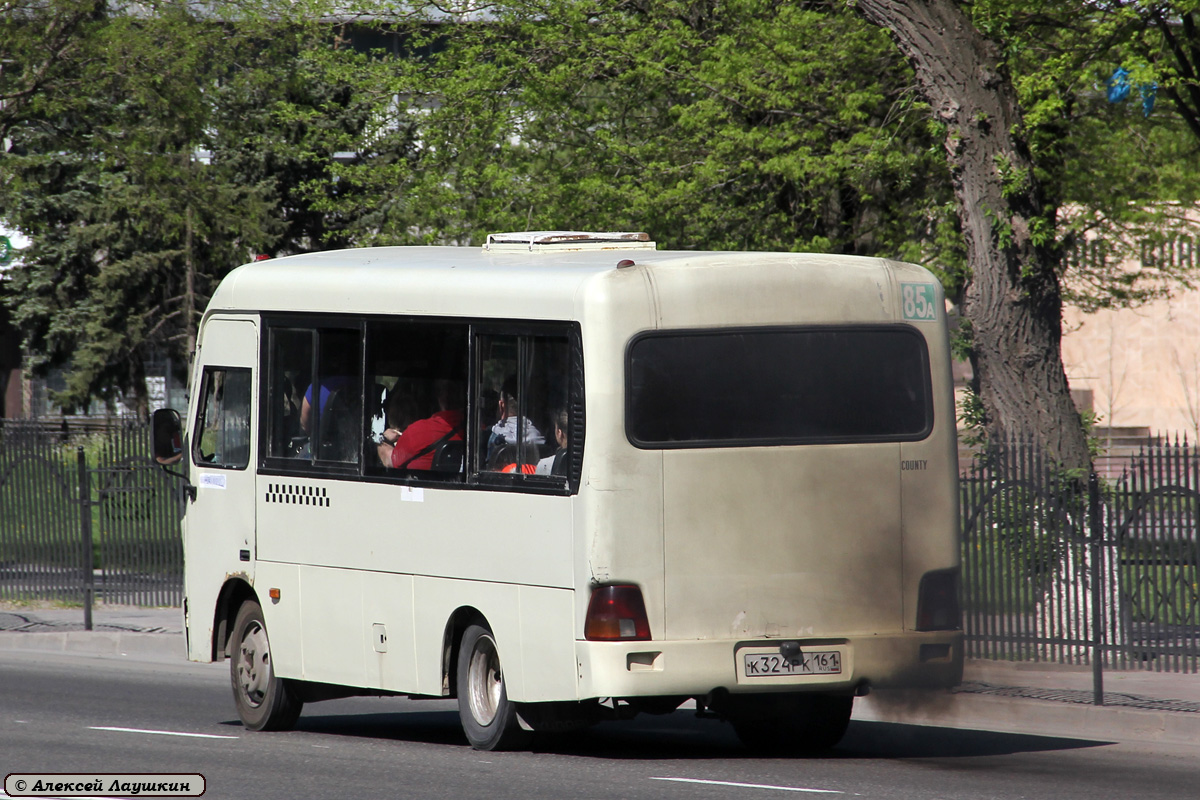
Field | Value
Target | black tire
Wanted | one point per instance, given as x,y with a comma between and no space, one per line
264,701
488,718
798,723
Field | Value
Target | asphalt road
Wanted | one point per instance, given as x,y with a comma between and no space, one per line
84,713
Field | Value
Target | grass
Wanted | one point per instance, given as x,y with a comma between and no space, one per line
131,524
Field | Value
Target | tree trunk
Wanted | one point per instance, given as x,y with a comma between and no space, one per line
189,293
139,395
1012,299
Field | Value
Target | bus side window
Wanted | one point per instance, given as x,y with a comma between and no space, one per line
522,389
512,439
222,437
290,373
550,397
337,420
419,429
314,405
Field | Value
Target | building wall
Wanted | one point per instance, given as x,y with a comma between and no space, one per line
10,368
1142,364
11,405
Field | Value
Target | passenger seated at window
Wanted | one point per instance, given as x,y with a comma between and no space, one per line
556,464
398,409
507,459
505,431
415,446
329,386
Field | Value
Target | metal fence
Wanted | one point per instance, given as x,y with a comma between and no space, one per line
1083,572
87,517
1106,574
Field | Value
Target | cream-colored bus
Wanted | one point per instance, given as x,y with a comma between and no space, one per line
568,477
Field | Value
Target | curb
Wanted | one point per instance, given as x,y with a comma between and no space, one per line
104,643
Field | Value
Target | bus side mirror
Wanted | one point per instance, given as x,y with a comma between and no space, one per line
166,434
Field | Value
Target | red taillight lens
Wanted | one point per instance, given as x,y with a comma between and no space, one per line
616,614
937,601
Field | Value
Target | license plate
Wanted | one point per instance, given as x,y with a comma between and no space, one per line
822,662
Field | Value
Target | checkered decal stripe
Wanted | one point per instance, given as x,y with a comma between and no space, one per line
293,494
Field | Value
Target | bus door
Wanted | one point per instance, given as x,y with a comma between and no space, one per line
219,535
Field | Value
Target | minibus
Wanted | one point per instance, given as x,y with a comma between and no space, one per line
567,477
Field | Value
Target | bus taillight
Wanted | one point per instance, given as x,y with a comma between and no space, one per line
617,614
937,601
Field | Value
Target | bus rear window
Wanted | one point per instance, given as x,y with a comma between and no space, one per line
776,386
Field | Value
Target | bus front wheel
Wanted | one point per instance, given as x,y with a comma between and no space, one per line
488,718
265,702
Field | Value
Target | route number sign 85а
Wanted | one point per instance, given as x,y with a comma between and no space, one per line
919,301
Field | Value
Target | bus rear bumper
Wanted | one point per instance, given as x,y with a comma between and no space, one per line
695,668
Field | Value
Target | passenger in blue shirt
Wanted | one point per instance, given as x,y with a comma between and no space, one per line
328,387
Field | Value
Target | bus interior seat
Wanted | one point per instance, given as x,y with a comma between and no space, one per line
339,440
448,457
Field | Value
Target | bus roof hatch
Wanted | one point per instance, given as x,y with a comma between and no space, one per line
561,241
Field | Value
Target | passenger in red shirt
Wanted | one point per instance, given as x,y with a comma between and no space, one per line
414,447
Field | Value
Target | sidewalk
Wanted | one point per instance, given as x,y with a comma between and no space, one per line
116,630
1046,699
1041,699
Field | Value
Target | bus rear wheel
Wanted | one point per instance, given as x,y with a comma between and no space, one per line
795,723
489,718
264,701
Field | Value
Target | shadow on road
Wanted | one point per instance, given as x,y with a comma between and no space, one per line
681,736
897,740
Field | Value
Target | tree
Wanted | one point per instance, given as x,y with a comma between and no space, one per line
41,46
748,125
152,151
1012,298
296,107
1169,39
129,228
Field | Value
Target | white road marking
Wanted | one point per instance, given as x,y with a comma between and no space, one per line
750,785
161,733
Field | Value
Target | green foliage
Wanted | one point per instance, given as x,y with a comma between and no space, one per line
744,125
131,223
294,105
40,46
1020,534
1109,171
972,420
1090,420
749,124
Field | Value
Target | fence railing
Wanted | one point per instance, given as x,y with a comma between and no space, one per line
86,517
1100,573
41,548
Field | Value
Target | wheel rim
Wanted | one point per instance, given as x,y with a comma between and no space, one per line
485,682
254,665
